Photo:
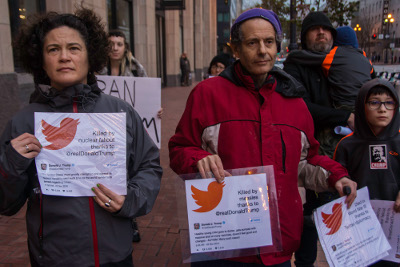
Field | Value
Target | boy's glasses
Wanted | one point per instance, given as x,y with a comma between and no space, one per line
375,104
215,67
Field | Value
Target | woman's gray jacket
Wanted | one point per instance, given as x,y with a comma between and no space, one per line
73,231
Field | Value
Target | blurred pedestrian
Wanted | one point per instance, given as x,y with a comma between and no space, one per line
185,69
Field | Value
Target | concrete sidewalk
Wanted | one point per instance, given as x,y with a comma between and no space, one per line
160,244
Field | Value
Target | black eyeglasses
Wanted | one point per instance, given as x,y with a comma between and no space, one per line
375,104
215,67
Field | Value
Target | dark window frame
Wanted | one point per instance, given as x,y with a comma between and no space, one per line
16,21
112,23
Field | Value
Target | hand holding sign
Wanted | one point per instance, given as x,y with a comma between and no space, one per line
211,166
340,187
107,199
26,145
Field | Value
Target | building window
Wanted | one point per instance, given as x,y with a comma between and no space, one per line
19,10
227,18
226,33
120,18
220,17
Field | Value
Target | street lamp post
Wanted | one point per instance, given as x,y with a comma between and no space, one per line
357,28
389,20
293,42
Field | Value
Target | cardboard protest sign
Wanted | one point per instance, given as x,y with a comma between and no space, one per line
350,237
80,150
143,93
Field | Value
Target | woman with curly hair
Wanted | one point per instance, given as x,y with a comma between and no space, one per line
63,51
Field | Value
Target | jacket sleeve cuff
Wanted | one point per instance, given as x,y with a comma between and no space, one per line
15,159
333,178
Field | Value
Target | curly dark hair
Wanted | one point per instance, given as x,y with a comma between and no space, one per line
30,40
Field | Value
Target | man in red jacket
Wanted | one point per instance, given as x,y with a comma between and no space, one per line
252,114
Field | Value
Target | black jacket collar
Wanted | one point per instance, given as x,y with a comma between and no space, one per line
85,95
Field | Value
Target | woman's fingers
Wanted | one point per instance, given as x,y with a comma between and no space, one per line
107,199
160,113
27,145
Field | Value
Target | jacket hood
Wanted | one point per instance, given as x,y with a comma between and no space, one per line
286,84
362,128
85,95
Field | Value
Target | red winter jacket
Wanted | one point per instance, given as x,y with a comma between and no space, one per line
227,116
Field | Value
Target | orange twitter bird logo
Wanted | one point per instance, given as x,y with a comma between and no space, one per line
208,200
333,221
60,137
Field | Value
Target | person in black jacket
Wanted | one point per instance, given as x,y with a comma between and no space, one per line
346,67
185,69
317,35
371,153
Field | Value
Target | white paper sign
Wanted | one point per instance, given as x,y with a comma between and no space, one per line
232,215
350,237
143,93
79,151
390,221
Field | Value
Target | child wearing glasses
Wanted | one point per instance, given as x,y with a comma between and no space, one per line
372,153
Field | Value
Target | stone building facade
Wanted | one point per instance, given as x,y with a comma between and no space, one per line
157,38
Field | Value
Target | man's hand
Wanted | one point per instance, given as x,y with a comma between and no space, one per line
212,165
350,121
345,181
397,203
